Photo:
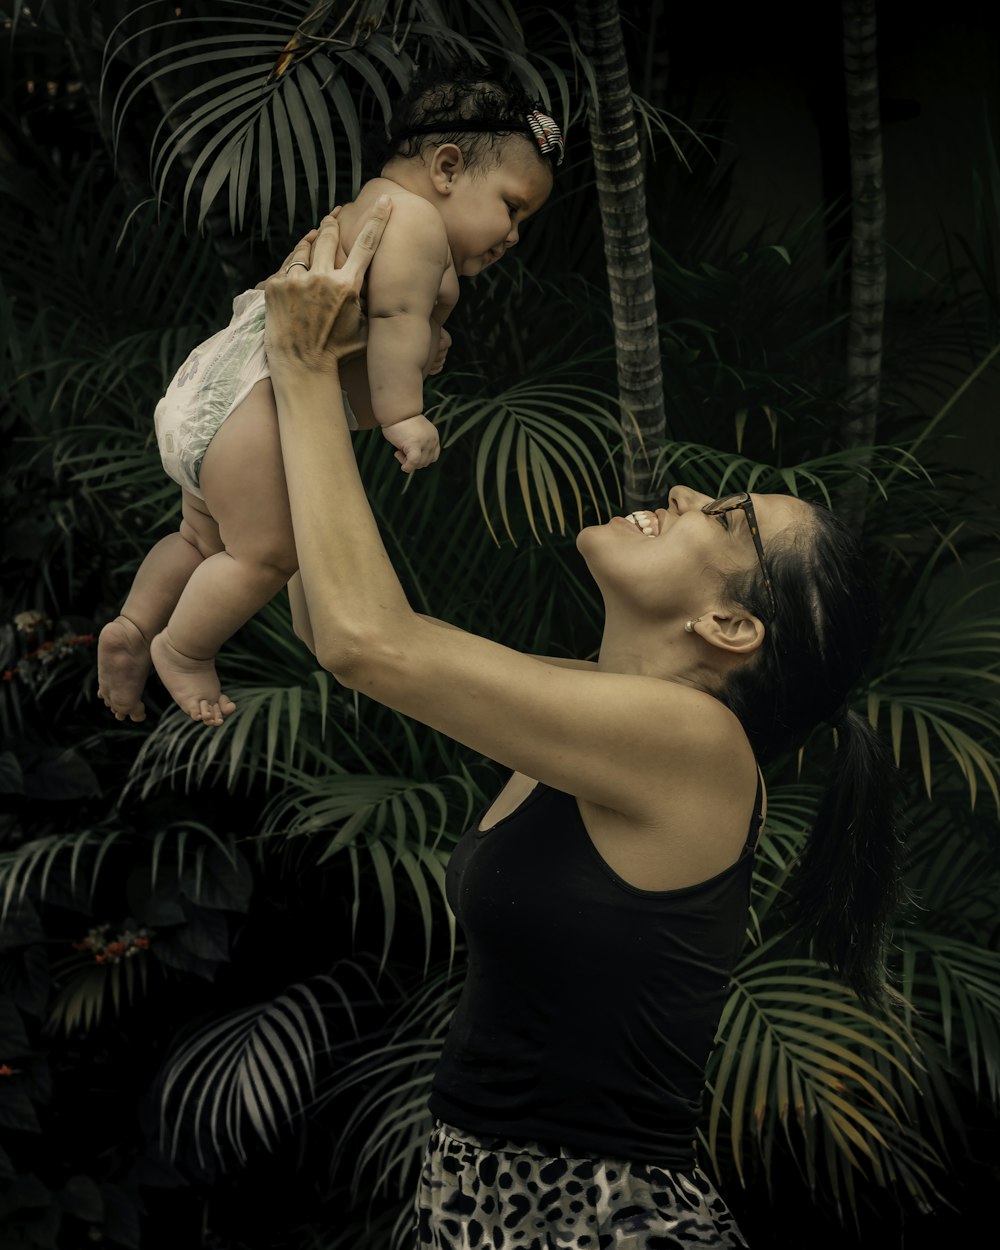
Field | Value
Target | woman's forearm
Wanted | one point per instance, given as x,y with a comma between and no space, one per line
352,592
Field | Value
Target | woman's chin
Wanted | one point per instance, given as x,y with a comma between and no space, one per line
585,537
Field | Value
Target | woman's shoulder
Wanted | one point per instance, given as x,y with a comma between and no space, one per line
705,715
700,738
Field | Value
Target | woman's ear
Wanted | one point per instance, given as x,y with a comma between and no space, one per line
739,633
446,164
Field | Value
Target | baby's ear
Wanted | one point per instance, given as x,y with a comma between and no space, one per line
446,165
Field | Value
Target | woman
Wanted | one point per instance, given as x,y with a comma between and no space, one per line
604,894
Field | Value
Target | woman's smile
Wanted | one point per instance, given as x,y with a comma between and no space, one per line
643,521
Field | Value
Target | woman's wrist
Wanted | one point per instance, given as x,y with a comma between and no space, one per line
299,391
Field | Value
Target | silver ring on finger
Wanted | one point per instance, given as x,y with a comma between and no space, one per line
289,268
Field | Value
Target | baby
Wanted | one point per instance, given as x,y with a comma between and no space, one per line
469,160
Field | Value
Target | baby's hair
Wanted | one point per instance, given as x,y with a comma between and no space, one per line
476,112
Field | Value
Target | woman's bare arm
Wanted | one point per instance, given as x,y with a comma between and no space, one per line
618,740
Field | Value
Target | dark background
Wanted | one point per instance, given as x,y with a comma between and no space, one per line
765,84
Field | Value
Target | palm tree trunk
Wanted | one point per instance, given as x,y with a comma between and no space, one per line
868,270
621,197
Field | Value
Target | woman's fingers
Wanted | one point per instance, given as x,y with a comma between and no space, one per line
299,260
324,249
366,244
300,252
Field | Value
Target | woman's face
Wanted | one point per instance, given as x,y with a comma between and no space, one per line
678,566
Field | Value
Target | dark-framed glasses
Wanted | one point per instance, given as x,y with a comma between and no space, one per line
730,503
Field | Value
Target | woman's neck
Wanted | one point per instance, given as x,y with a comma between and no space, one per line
649,650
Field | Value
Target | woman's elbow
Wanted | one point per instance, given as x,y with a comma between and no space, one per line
340,660
355,663
305,637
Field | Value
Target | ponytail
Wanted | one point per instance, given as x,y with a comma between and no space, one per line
847,883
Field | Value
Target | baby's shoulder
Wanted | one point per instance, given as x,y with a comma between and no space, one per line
411,215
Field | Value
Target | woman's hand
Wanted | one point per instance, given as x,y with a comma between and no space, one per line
314,316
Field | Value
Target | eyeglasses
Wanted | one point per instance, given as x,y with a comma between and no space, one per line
729,503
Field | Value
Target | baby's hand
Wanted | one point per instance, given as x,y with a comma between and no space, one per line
416,442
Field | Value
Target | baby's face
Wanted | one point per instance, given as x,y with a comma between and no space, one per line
485,208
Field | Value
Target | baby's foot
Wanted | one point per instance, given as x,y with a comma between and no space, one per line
122,668
192,684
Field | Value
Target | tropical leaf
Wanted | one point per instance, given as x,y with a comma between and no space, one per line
940,674
953,870
262,736
954,987
542,434
799,1057
30,868
264,89
394,825
251,1072
90,992
385,1132
791,810
714,472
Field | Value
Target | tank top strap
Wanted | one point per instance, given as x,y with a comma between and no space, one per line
757,820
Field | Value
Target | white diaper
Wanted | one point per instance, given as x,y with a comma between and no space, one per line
216,377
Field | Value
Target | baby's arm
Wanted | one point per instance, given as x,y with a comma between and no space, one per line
354,376
403,289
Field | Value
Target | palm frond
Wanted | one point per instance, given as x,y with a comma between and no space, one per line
274,99
542,434
89,992
252,1072
791,810
938,674
953,869
29,868
386,1130
954,985
798,1055
715,471
393,824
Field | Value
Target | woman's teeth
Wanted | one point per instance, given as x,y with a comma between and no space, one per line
645,521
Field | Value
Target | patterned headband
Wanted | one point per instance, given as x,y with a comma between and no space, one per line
540,126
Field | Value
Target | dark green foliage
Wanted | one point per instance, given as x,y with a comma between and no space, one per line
226,964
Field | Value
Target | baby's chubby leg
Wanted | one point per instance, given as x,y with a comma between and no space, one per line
243,481
123,660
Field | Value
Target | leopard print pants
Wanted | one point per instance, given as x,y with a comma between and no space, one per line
487,1193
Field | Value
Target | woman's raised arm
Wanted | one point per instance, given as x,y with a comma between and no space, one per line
591,733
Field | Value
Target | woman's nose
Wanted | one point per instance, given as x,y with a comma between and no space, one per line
684,499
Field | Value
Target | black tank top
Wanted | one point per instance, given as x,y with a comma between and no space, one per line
589,1006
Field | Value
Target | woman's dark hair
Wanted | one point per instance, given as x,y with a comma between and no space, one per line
847,883
452,97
